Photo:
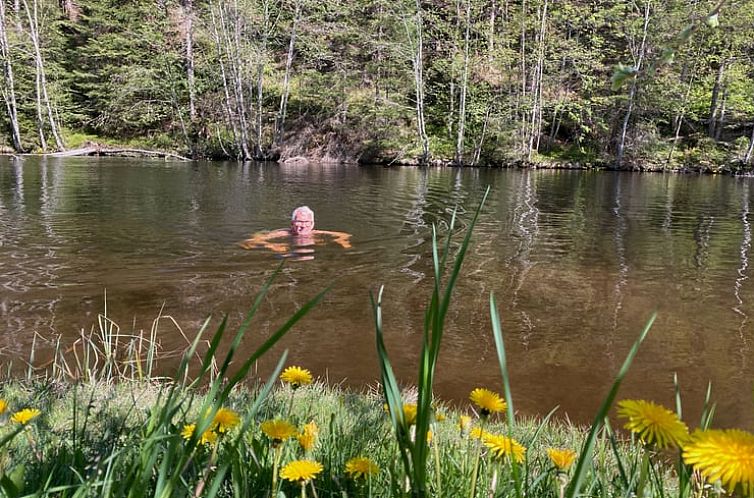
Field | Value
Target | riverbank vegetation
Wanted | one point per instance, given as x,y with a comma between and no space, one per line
149,439
467,82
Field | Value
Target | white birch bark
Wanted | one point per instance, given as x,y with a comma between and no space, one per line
464,87
715,100
522,96
43,99
750,149
417,60
535,125
9,91
189,13
634,89
280,122
262,56
220,59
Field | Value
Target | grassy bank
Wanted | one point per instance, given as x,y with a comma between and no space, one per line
93,440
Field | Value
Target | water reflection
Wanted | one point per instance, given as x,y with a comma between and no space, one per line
524,228
622,276
739,308
577,262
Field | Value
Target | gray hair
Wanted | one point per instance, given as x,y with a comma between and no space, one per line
303,210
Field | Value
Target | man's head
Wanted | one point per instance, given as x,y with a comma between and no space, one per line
302,221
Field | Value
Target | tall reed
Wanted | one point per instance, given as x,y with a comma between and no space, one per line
413,445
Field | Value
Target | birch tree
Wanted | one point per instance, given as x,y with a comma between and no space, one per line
634,86
280,120
9,90
226,27
42,97
188,13
415,35
464,88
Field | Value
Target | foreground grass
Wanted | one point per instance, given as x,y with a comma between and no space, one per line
88,438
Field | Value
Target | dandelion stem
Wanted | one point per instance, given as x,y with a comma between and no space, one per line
475,469
290,403
493,484
562,480
438,473
275,463
303,489
643,473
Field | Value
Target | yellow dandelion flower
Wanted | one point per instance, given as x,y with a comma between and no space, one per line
440,416
430,436
488,401
25,416
301,470
225,419
278,430
464,422
504,447
3,406
188,431
562,458
361,468
725,455
208,437
296,376
308,437
478,433
409,413
654,424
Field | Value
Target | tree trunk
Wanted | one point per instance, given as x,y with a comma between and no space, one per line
43,98
189,13
480,143
280,122
715,101
679,120
234,53
750,149
228,103
522,96
491,41
258,150
9,92
721,115
634,89
418,62
554,126
535,126
464,86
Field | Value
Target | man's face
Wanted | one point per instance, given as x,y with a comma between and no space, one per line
302,224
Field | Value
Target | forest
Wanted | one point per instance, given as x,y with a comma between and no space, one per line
638,84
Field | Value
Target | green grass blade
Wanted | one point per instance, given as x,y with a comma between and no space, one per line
586,452
390,388
273,339
497,332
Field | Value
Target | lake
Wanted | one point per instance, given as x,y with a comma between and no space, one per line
577,260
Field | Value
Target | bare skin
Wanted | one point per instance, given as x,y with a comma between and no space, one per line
297,239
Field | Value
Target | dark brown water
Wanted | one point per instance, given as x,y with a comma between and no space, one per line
577,261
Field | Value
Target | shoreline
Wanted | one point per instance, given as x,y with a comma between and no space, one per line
727,169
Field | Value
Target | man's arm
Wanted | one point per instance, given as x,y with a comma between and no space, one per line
264,240
341,238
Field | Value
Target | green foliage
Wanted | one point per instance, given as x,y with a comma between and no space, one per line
119,70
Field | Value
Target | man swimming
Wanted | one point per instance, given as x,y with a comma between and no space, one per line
298,238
